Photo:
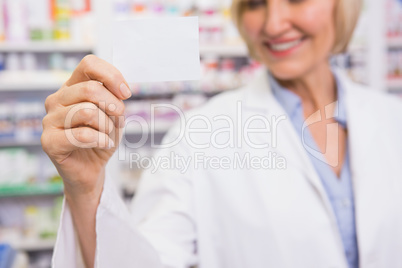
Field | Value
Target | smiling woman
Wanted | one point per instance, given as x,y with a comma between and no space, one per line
327,204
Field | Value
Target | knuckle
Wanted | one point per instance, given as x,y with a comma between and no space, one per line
92,106
84,135
49,102
44,139
45,121
88,60
88,111
90,89
116,76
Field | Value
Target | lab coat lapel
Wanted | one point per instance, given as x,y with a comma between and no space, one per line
259,99
360,127
370,178
361,115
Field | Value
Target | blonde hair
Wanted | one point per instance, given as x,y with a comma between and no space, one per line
346,16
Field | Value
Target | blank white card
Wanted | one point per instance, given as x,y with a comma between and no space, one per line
156,50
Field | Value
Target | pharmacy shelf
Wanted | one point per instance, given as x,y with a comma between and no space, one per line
20,190
224,50
34,245
32,81
6,143
395,84
397,93
16,86
45,47
395,42
171,94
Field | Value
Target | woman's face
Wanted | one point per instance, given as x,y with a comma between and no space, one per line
291,37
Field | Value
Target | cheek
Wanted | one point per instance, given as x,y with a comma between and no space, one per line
252,24
318,22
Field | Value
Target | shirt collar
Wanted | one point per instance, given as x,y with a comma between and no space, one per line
291,102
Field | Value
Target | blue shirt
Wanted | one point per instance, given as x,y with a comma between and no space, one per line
339,190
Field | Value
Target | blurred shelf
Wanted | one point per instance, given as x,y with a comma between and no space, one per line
224,50
394,84
353,48
5,143
171,94
30,86
31,190
397,93
32,81
34,245
45,47
395,42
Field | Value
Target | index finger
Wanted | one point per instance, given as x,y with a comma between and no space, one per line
94,68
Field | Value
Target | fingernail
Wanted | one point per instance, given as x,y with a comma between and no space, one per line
125,91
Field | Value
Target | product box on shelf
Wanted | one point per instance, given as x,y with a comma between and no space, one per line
44,20
21,121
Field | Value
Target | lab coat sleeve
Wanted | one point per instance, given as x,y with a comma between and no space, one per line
119,243
156,232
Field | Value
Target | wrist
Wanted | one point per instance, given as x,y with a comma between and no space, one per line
87,199
82,195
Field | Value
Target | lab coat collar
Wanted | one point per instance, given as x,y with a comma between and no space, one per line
259,99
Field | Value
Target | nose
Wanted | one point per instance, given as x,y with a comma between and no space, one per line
277,20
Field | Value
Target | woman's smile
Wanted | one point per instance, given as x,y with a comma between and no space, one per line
279,48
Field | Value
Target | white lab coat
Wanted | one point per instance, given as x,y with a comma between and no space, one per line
255,217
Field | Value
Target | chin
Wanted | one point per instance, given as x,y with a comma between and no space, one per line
287,70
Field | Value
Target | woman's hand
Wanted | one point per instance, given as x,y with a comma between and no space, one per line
81,131
83,125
